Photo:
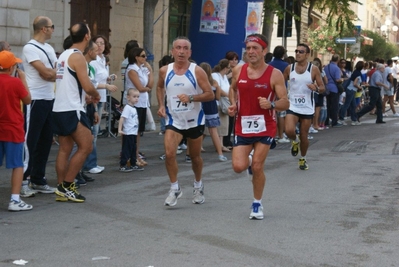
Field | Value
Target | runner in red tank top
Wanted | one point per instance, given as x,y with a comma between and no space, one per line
254,88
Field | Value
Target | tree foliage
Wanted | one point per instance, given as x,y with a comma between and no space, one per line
380,48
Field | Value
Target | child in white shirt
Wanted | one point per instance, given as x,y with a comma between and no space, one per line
128,127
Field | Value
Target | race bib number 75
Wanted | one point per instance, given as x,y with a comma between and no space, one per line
253,124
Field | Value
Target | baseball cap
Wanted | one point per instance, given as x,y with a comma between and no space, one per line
7,60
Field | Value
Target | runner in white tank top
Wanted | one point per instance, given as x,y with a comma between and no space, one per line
185,85
304,80
300,97
178,114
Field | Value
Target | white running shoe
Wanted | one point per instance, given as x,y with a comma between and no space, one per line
95,170
102,168
396,115
256,211
18,206
26,191
283,140
313,130
198,195
182,147
171,200
222,158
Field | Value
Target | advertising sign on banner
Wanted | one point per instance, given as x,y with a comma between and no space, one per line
254,18
213,16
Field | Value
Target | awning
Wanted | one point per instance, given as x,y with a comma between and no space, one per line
367,40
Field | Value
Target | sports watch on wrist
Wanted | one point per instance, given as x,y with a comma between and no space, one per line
272,105
191,97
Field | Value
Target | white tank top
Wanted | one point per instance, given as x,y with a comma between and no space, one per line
182,116
69,92
300,96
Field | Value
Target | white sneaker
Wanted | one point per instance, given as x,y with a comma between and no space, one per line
384,115
342,122
222,158
95,170
356,123
396,115
18,206
283,140
179,151
171,200
198,195
182,146
256,211
102,168
313,130
26,191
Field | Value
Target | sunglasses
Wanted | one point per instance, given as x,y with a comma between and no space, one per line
52,26
300,51
143,56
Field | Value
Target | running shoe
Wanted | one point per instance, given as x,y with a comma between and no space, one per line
294,148
256,211
44,189
222,158
198,195
18,205
171,200
69,192
125,169
136,168
26,191
303,165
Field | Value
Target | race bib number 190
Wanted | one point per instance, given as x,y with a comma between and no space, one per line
178,106
253,124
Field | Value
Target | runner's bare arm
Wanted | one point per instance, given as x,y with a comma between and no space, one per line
277,82
161,91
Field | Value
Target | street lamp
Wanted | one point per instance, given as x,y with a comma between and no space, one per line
387,28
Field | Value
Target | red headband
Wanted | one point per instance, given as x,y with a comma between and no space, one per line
256,40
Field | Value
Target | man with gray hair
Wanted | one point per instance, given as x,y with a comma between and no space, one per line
376,84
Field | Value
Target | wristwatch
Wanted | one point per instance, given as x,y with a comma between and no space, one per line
272,105
191,97
317,89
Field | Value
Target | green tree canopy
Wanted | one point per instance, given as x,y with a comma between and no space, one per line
380,48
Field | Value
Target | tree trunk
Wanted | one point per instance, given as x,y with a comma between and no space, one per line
268,18
148,20
298,12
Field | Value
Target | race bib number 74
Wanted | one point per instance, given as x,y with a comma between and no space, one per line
178,106
253,124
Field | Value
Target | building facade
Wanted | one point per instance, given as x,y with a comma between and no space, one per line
120,20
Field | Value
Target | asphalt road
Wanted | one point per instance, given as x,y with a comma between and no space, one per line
343,211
